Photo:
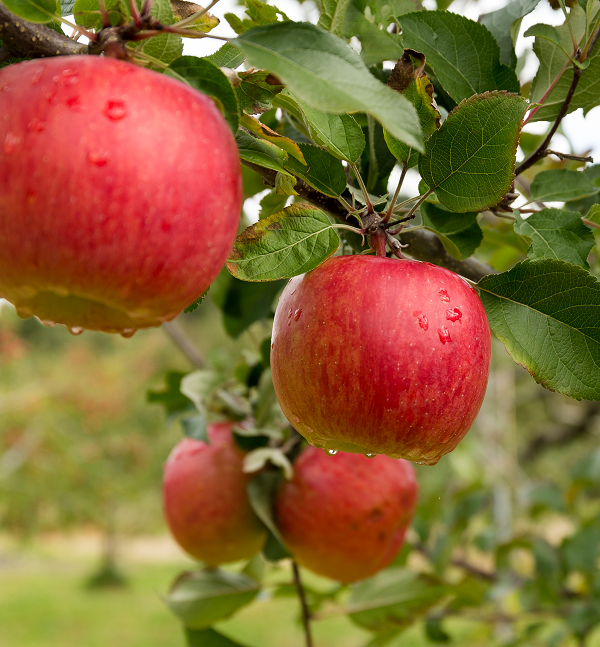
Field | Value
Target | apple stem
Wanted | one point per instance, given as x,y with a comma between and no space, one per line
306,615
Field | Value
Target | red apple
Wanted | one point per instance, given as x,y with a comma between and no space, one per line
205,500
345,516
381,356
120,193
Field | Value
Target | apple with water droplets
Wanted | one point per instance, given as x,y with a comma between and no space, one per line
120,193
205,500
345,516
381,356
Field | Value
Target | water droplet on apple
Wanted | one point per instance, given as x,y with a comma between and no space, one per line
98,158
48,322
60,290
128,332
11,142
370,455
115,109
318,442
331,452
297,314
293,291
36,125
272,345
422,319
296,418
75,330
444,334
454,314
37,75
290,313
444,295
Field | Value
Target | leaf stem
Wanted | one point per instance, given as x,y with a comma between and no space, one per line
541,151
390,209
305,610
418,203
359,179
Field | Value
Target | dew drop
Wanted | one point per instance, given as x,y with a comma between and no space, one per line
297,314
75,330
296,418
370,455
272,345
331,452
318,442
37,75
290,313
444,334
36,125
115,110
423,321
98,158
11,142
293,291
128,332
444,295
454,314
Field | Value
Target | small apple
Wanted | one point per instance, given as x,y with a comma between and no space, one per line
381,356
345,516
205,500
120,193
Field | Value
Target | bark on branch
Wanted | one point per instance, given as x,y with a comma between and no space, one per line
25,39
423,245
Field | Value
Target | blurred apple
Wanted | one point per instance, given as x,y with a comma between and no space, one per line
205,500
120,193
345,516
381,356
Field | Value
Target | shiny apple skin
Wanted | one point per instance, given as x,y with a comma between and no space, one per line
345,516
383,356
120,193
205,501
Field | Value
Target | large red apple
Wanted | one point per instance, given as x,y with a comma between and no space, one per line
381,356
120,193
205,500
345,516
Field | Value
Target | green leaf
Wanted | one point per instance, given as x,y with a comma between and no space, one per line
322,171
580,551
242,303
339,134
166,47
499,23
548,32
170,397
592,217
328,75
561,185
262,491
257,90
271,203
463,53
195,427
208,638
227,56
459,232
290,242
547,314
260,13
552,59
377,161
39,11
394,598
66,7
261,152
258,458
409,78
259,129
332,15
87,13
201,598
559,234
435,632
204,76
377,44
469,162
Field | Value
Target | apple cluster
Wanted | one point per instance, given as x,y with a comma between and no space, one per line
342,516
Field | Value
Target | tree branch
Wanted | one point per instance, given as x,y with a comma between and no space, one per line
423,245
185,344
305,610
566,435
25,39
541,151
